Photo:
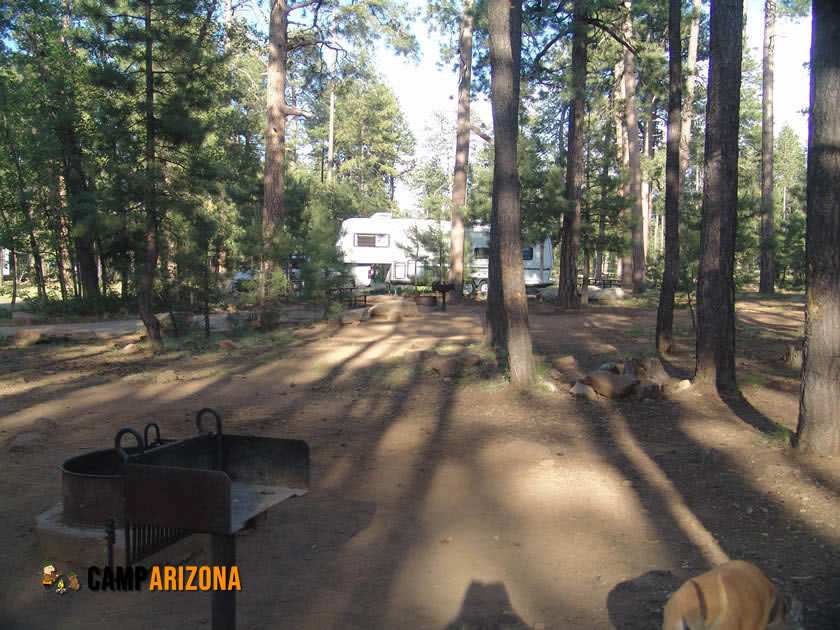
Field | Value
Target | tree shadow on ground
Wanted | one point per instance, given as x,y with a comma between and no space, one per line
487,607
638,602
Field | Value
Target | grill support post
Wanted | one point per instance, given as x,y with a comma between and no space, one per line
223,603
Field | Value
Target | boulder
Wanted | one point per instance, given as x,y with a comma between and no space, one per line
23,338
354,316
228,344
582,390
613,293
610,385
446,367
183,319
567,362
404,308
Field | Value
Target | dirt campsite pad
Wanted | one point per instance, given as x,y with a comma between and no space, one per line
443,501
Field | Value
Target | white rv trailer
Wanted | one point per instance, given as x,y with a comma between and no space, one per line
367,241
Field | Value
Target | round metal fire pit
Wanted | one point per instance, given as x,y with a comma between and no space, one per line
92,485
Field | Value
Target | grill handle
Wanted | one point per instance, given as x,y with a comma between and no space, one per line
201,430
119,447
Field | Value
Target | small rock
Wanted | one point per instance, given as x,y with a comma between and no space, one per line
582,390
24,338
228,344
25,441
683,384
609,384
446,367
416,355
131,348
567,362
556,375
549,386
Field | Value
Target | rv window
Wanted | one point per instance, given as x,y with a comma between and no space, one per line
527,253
372,240
481,253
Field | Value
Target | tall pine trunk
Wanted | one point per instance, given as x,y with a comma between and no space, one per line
715,282
631,121
688,103
507,304
767,274
567,296
147,275
274,178
819,402
665,312
462,157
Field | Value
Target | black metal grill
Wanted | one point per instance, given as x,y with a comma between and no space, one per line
210,483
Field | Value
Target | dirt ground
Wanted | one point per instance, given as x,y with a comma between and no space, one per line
434,504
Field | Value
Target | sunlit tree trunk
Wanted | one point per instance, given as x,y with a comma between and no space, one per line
715,283
688,103
567,296
819,402
631,120
768,254
665,312
507,305
462,157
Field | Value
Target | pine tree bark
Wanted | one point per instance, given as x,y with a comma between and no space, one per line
631,121
567,296
819,403
688,103
715,283
274,178
767,273
625,257
665,312
462,157
149,268
507,305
